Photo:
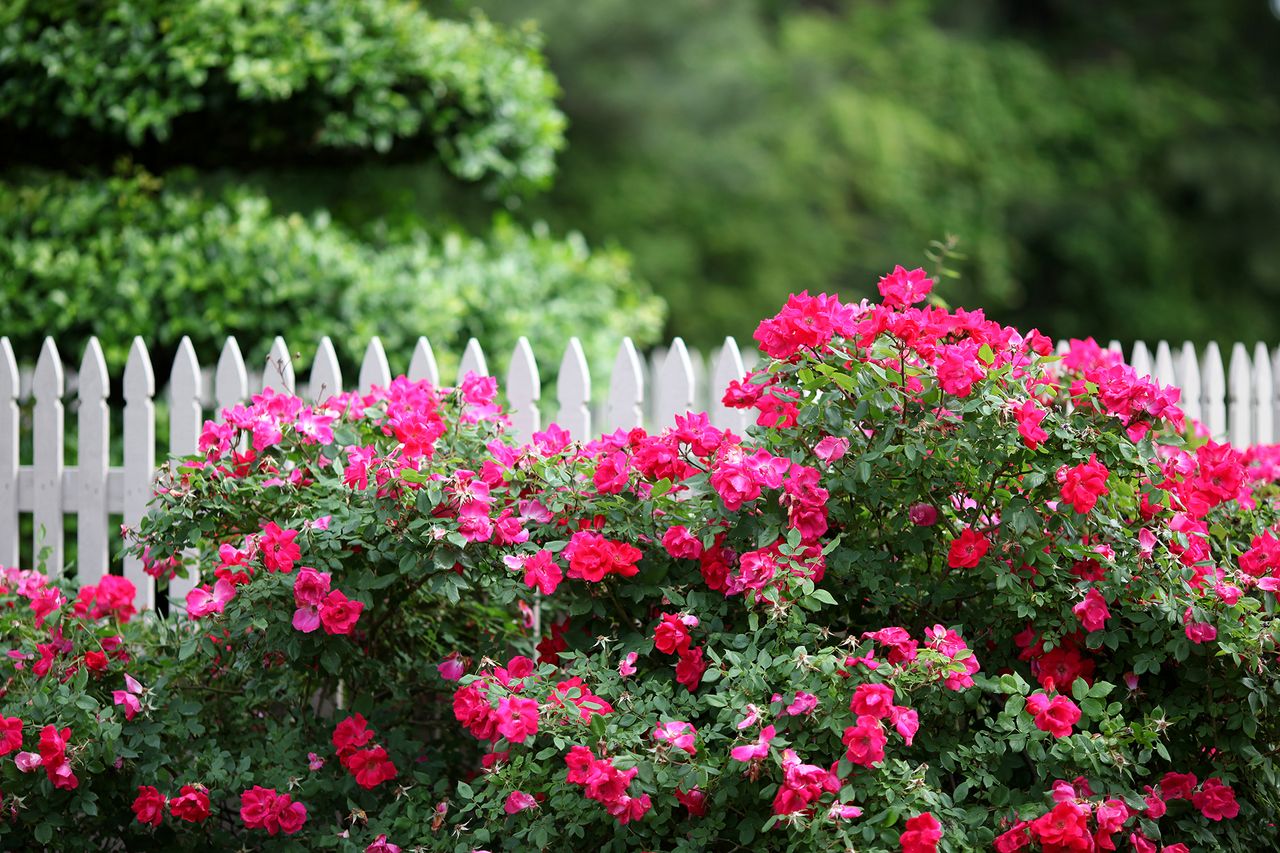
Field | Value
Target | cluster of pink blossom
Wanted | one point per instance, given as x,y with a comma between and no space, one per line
606,784
1077,823
872,704
263,808
370,765
319,606
191,804
51,754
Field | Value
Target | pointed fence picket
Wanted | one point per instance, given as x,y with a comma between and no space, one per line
1238,402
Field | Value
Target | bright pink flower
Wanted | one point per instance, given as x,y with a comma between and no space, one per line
681,735
1055,716
201,602
1029,416
1177,786
382,845
804,703
127,697
518,801
1198,632
627,666
690,667
1092,611
351,734
191,804
967,550
310,587
148,806
681,544
672,633
906,721
1083,484
759,749
27,761
452,667
694,800
10,734
314,762
865,742
922,834
591,557
338,614
923,515
279,551
830,448
872,700
903,288
542,572
1065,828
517,718
1215,800
370,767
53,755
263,808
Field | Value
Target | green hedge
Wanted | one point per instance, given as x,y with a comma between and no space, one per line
228,82
136,255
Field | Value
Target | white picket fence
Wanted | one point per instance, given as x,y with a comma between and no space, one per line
1242,404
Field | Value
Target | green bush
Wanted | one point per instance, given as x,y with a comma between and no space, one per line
226,82
137,255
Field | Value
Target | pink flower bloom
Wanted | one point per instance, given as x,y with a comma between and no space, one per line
922,834
1198,632
356,472
518,801
517,718
263,808
27,761
452,667
872,700
865,742
1092,611
681,735
191,804
923,515
1055,716
1029,416
148,807
1083,484
831,448
752,717
10,734
968,550
906,721
843,811
1216,801
279,551
672,633
627,666
804,703
314,762
338,614
690,668
752,751
382,845
542,572
902,288
201,602
681,544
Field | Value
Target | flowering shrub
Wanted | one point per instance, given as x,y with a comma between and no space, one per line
952,592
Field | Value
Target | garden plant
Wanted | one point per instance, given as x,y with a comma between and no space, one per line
952,591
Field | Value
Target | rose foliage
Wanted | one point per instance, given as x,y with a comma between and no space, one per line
952,591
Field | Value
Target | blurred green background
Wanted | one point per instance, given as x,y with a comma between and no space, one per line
551,167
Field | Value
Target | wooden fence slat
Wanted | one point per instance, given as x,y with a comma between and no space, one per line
1163,371
186,418
139,458
473,361
727,368
423,364
1213,392
231,381
524,390
9,441
624,408
277,374
1189,380
1140,361
92,463
326,373
573,392
1264,390
374,370
1240,396
675,386
47,389
1275,380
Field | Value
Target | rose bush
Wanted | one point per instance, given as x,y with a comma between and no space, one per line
952,592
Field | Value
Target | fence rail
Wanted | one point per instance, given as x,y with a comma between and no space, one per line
1240,403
